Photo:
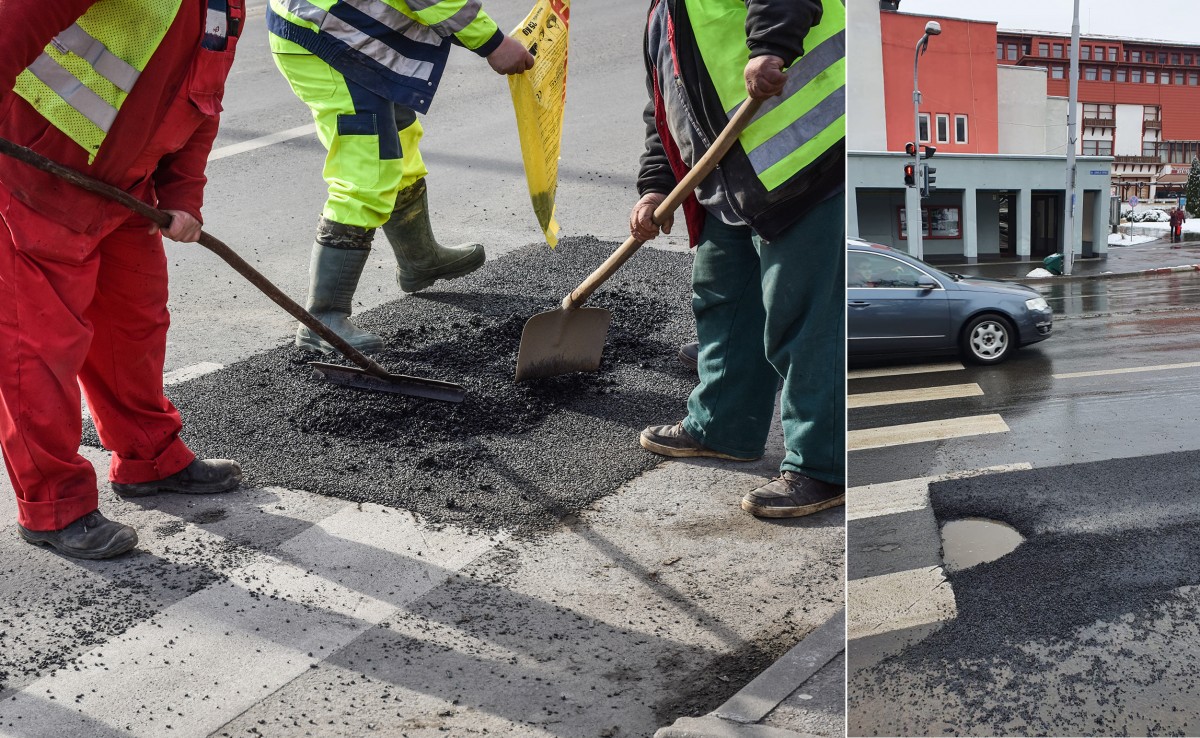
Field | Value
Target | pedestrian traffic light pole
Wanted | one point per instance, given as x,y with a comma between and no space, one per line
912,195
1072,104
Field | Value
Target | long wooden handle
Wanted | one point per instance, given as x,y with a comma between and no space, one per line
703,168
207,240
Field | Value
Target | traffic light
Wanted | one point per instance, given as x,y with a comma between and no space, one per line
910,175
929,151
927,179
910,148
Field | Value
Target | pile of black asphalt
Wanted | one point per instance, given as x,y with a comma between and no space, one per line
511,456
1106,543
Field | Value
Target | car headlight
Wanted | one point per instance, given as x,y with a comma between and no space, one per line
1037,304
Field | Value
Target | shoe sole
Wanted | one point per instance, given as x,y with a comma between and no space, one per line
799,511
686,453
688,360
137,490
416,285
315,344
119,545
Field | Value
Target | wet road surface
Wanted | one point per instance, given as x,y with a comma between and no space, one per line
1086,445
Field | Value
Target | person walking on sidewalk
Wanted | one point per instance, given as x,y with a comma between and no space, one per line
128,92
365,70
769,273
1178,216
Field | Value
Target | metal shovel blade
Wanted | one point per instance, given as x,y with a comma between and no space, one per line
400,384
562,341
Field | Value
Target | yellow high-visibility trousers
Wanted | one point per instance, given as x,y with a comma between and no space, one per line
372,143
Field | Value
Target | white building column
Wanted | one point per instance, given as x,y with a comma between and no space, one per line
851,212
1024,222
970,225
1100,226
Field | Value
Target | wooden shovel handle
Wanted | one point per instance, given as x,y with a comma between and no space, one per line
703,168
207,240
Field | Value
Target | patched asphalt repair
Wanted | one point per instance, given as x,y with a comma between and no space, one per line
1058,636
511,456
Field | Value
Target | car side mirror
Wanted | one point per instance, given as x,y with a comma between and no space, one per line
926,284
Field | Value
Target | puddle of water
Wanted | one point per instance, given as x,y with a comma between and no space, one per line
966,543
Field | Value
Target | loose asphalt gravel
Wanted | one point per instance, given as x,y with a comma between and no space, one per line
1042,633
511,456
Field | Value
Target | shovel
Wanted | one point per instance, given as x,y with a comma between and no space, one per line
370,376
571,338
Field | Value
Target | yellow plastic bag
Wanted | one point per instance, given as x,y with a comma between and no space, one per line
539,97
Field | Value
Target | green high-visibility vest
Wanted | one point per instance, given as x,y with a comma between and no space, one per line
84,75
791,131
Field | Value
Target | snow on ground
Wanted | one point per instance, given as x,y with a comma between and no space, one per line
1123,239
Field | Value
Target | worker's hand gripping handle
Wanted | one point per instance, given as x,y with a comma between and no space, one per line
703,168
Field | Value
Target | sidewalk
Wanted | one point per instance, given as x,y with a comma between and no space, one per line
1122,261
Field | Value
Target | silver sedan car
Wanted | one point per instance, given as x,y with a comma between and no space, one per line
898,305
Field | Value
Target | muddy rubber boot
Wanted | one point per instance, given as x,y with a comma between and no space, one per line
338,257
420,259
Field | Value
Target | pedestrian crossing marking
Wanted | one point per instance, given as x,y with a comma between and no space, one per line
1127,370
899,370
907,495
903,599
936,430
920,394
261,141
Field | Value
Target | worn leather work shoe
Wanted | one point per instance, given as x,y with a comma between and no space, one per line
689,353
91,537
673,440
201,477
792,495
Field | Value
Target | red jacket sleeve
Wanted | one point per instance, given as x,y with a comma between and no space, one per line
30,25
179,179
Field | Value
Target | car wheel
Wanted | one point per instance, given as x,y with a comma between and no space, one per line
988,339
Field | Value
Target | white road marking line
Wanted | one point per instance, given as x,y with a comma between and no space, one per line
178,376
1127,370
904,599
936,430
921,394
907,495
261,141
898,370
232,644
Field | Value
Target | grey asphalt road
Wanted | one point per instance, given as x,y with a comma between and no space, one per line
282,612
1090,439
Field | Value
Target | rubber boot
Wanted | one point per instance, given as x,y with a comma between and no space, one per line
338,257
420,260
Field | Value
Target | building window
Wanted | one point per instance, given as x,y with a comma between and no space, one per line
999,51
1056,72
1043,49
1150,113
1122,75
923,127
1136,57
1097,148
1149,148
1162,57
1174,58
1089,73
943,128
1193,79
1150,77
1097,110
1187,60
1135,75
1164,77
1085,52
960,129
1179,78
1106,75
1112,53
1058,51
1012,52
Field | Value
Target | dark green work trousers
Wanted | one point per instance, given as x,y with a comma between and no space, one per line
766,311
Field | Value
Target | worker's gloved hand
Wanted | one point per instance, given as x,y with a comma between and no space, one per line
184,228
510,57
765,77
641,220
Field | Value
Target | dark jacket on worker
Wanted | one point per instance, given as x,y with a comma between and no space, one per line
773,27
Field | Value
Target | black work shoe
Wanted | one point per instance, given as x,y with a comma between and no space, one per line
91,537
689,353
673,440
201,477
792,495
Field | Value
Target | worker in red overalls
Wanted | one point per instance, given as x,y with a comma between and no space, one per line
128,92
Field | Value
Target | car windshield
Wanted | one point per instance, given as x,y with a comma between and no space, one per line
869,269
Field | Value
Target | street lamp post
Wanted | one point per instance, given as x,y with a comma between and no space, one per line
912,197
1072,104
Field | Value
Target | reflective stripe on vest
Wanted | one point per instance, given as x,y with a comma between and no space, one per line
82,78
793,130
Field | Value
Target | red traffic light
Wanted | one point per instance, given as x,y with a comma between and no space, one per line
910,148
910,178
